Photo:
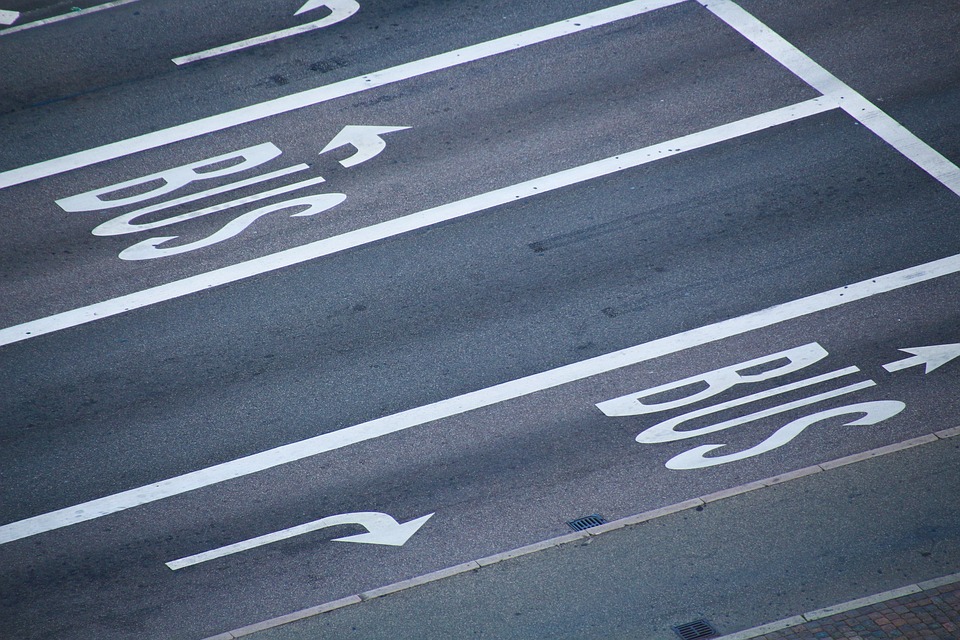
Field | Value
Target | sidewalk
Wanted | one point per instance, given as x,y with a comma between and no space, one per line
933,612
833,540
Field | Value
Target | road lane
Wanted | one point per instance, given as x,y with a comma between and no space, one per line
698,238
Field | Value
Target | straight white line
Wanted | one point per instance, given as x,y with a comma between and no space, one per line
329,92
411,222
66,16
477,399
857,106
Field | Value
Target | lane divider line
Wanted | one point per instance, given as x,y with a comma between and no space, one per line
412,222
329,92
855,104
630,521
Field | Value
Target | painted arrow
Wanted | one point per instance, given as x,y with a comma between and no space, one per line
366,140
339,10
933,357
381,528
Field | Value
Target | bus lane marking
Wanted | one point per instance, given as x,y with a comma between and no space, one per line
65,16
329,92
489,396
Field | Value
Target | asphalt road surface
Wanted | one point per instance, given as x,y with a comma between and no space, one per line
480,267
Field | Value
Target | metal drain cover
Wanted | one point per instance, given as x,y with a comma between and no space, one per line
586,522
696,630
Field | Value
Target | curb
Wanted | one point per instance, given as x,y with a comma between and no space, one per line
628,521
826,612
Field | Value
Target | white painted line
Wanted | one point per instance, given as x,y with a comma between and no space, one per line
66,16
411,222
477,399
8,17
329,92
864,111
340,10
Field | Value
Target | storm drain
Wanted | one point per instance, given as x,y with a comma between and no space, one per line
696,630
586,522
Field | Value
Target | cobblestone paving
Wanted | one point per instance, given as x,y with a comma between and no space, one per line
930,615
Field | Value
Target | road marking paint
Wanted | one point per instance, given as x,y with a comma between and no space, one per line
425,218
477,399
382,529
932,358
339,10
8,17
319,95
857,106
367,140
66,16
122,224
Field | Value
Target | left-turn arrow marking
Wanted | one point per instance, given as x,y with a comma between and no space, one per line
382,529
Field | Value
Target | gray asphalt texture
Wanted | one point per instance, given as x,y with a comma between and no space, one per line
509,292
740,562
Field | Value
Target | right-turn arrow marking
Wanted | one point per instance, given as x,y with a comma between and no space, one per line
382,529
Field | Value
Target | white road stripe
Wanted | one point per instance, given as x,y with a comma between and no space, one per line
477,399
867,113
329,92
411,222
66,16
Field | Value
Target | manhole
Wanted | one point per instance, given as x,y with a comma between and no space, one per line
696,630
586,522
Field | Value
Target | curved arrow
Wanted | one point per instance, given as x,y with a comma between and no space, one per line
933,357
339,10
383,529
365,139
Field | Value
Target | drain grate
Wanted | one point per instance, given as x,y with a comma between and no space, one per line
696,630
586,522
